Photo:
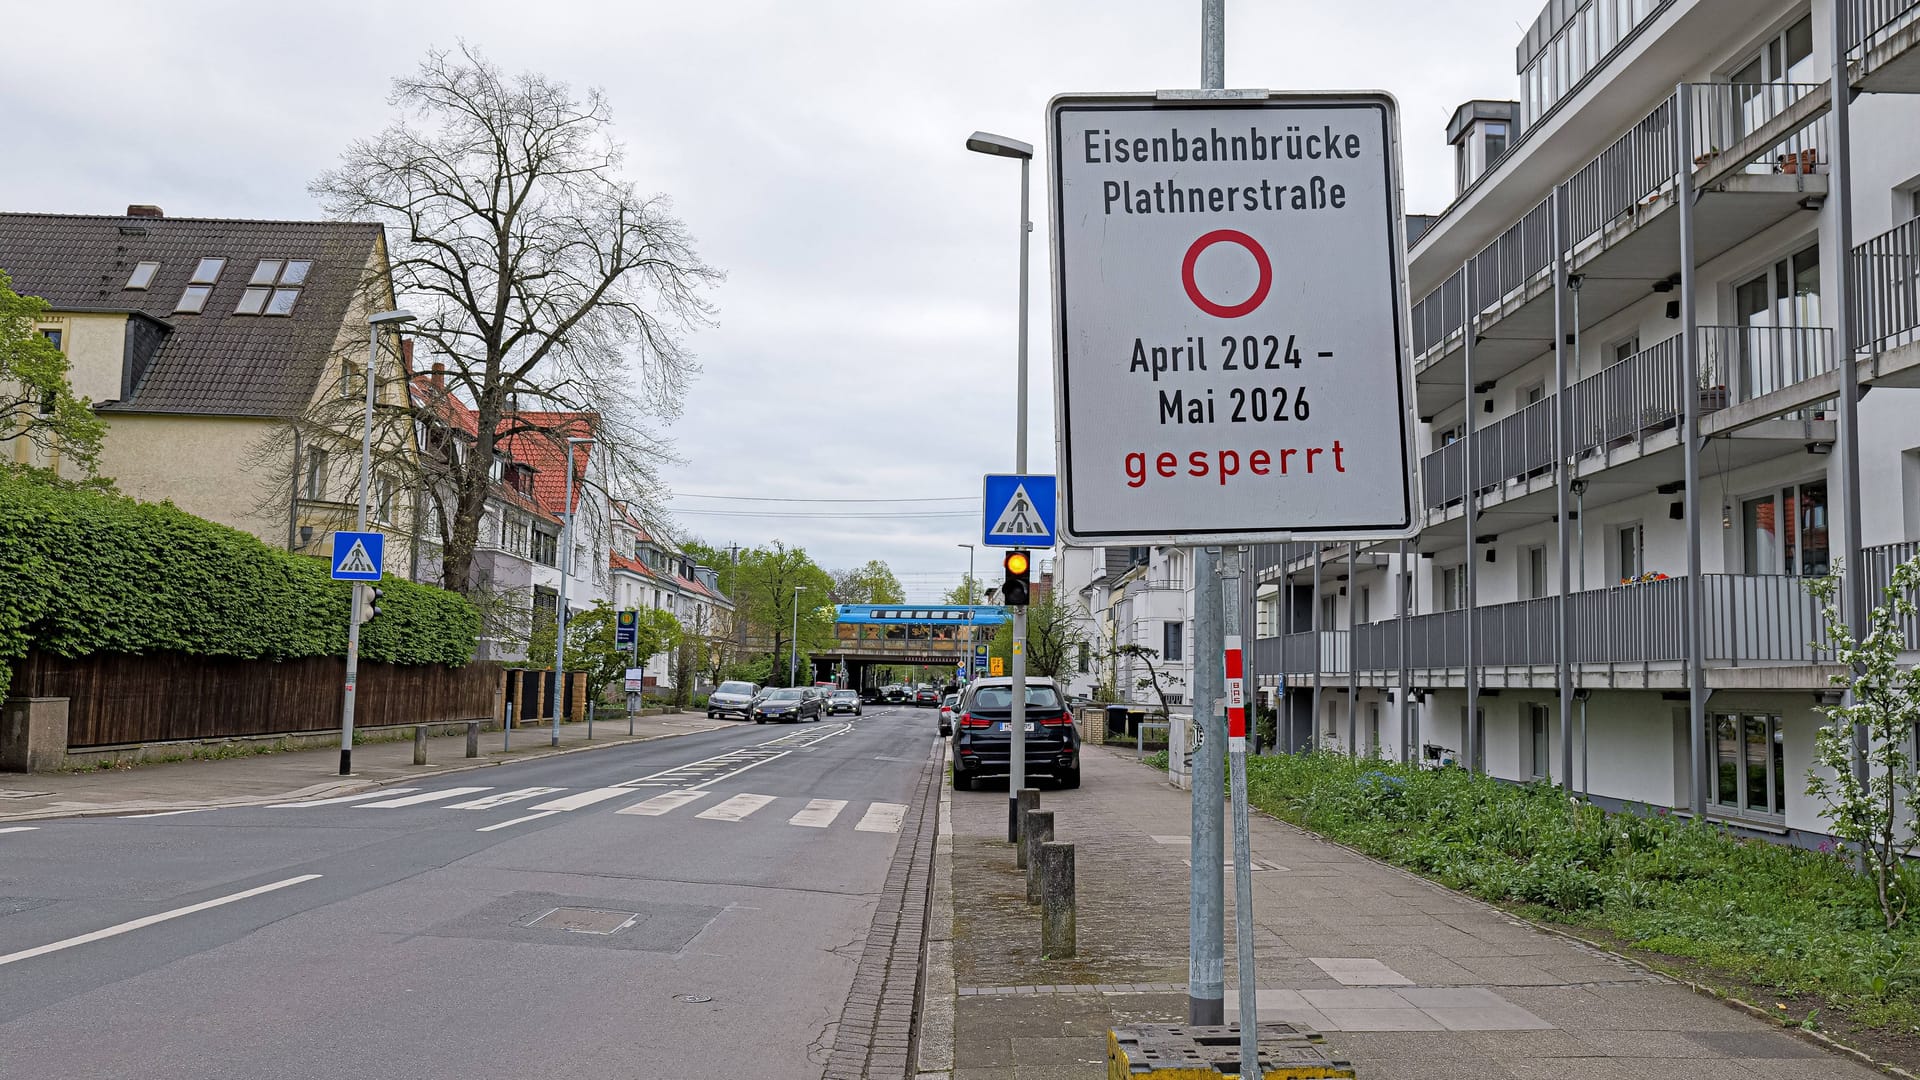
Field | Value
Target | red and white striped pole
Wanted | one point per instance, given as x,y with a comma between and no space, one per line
1236,697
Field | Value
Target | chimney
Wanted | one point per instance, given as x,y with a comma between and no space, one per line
439,370
406,354
143,210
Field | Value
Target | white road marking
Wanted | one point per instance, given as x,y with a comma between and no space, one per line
425,797
167,813
738,771
738,808
149,920
488,802
882,817
583,798
662,804
20,828
342,799
516,821
818,814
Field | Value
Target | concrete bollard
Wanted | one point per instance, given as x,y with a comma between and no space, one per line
506,730
1057,938
473,738
1039,831
1026,801
419,744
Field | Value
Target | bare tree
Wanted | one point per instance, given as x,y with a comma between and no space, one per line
542,279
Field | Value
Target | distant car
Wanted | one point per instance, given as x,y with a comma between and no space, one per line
946,713
983,743
793,703
869,695
926,695
847,701
898,695
821,695
732,699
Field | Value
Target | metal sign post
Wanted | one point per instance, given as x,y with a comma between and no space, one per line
1231,358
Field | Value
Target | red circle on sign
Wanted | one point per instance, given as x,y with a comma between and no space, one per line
1227,236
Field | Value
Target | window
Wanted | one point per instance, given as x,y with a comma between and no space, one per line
1363,610
1086,658
270,290
193,299
1453,588
1373,730
1496,142
1139,556
1463,163
1533,573
1750,763
1329,612
1786,295
1538,738
1630,547
1785,532
546,547
316,474
546,607
383,499
1170,633
207,271
1529,394
142,275
1624,350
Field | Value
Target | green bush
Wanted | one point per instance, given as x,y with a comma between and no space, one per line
1781,918
83,572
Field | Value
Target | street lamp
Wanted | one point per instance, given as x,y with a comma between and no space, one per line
968,660
566,571
981,142
793,644
376,323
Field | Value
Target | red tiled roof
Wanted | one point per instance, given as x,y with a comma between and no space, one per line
544,450
453,412
631,566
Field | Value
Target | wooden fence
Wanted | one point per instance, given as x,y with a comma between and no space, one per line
118,699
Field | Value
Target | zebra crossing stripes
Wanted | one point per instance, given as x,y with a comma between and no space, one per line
488,802
738,808
818,814
882,817
583,798
423,797
663,804
339,799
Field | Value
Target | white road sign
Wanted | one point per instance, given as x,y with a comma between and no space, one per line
1231,322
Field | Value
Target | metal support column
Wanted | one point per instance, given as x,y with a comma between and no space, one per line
1353,675
1317,630
1690,433
1402,587
1562,425
1471,752
1854,599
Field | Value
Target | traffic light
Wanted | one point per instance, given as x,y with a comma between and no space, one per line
371,609
1013,591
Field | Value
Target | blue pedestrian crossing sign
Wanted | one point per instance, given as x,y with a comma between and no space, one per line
358,556
1019,511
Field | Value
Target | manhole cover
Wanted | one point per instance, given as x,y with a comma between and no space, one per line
576,920
695,999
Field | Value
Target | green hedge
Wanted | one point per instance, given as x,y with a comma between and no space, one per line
83,572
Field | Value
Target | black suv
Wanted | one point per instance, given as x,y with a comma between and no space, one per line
983,741
924,696
794,703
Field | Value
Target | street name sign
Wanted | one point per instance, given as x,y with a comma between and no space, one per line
358,556
1231,333
1019,511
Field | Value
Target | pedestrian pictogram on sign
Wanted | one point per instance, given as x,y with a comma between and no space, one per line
1019,511
358,556
1231,350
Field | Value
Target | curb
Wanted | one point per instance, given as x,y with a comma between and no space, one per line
875,1039
934,1022
332,787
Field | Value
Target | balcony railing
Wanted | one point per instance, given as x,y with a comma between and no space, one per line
1871,21
1626,175
1880,562
1747,619
1886,272
1325,651
1626,402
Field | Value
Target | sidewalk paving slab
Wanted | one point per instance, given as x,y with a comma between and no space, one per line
300,774
1407,979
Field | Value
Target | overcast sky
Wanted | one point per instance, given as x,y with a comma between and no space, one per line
814,147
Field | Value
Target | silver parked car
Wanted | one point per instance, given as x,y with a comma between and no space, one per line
732,699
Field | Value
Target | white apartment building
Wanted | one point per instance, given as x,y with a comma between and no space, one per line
649,573
1550,350
1131,596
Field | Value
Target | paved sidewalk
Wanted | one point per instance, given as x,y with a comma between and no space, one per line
287,774
1407,979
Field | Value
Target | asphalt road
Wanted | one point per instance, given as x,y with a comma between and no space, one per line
684,908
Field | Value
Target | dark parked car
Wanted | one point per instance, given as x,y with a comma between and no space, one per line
983,741
787,703
926,695
898,695
869,695
847,701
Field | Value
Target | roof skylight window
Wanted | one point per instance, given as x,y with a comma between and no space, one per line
143,275
193,299
266,273
270,290
208,272
252,301
281,303
296,272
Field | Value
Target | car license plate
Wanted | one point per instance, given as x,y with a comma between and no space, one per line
1009,727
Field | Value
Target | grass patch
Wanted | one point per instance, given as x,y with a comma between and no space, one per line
1798,924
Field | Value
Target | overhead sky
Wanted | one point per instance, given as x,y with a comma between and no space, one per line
865,348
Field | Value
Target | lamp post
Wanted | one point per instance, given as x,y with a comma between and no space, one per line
981,142
793,643
375,324
968,677
566,571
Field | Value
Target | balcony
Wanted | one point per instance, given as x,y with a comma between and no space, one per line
1627,636
1630,409
1885,33
1325,651
1758,151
